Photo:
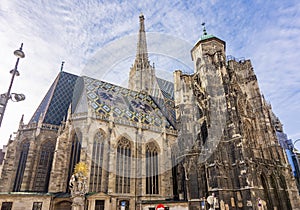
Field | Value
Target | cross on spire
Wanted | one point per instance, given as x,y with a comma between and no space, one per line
204,29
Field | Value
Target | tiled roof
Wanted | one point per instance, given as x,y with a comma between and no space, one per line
54,106
166,87
106,98
166,102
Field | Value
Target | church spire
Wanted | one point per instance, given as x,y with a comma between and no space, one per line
141,52
142,74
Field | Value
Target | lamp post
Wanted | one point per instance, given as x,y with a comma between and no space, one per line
295,142
13,96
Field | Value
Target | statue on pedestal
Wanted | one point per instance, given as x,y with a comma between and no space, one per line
78,186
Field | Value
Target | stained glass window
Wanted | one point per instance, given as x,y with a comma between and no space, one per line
75,154
174,152
21,166
97,163
151,169
44,167
123,166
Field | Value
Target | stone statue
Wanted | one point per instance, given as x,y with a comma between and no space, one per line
78,181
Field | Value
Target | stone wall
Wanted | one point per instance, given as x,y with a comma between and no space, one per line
23,201
112,132
240,157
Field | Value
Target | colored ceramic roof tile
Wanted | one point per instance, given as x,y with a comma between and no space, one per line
121,102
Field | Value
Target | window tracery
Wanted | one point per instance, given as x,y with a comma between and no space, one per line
123,166
21,166
75,154
44,167
152,169
97,163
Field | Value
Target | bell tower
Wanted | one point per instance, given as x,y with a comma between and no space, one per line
209,51
142,74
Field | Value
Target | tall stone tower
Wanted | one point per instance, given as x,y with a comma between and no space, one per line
229,146
142,74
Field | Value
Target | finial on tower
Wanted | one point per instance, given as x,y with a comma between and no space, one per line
21,121
142,74
62,66
142,53
142,25
204,29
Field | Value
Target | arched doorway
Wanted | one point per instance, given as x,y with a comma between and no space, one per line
63,205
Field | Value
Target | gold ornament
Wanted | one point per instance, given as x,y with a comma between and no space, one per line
82,168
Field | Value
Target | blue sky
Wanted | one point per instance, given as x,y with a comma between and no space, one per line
265,31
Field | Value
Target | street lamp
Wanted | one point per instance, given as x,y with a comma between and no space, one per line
13,96
295,142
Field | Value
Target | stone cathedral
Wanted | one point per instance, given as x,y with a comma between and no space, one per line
207,140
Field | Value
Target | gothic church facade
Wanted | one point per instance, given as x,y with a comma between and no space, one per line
156,142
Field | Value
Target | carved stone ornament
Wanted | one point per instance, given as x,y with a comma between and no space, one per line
78,181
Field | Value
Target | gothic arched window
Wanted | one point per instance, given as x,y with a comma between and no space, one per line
43,170
151,169
123,166
21,166
267,195
284,193
97,163
204,132
193,183
75,154
174,152
274,192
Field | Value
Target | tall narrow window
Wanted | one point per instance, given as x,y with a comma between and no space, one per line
21,166
44,167
193,184
151,169
267,195
174,172
274,192
204,132
123,166
75,155
284,193
97,163
6,206
203,189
